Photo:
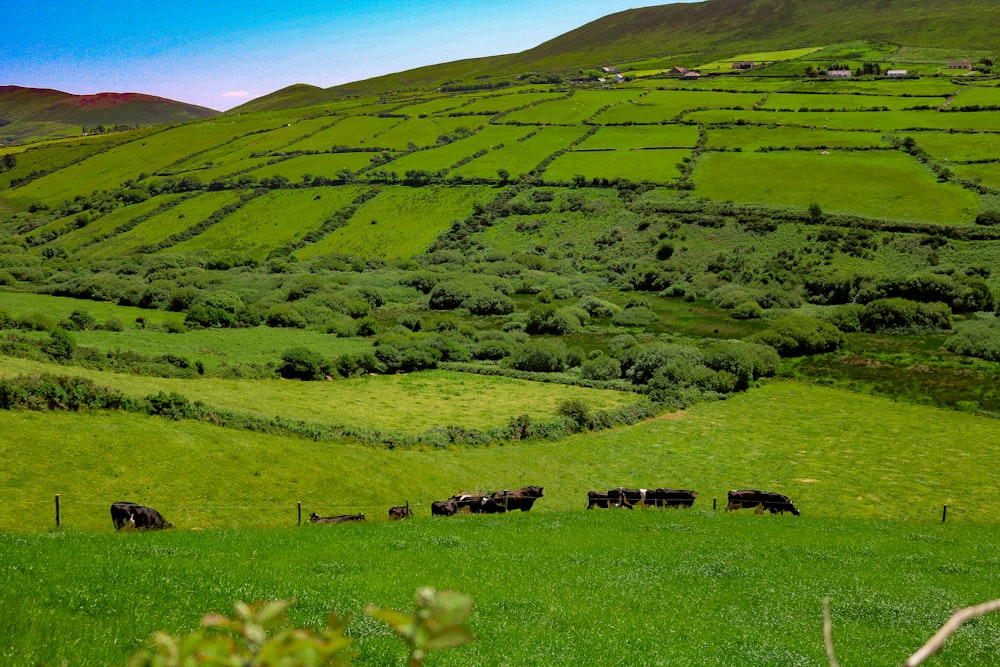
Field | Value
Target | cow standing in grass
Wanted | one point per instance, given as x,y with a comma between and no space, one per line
775,503
127,514
518,499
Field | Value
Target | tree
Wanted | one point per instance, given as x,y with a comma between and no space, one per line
815,212
300,363
8,162
60,345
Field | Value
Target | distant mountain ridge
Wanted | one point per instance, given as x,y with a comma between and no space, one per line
29,113
691,33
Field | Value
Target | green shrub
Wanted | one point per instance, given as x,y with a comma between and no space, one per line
634,316
284,316
904,316
300,363
448,295
796,335
847,318
601,367
60,345
543,356
598,307
976,338
748,310
489,303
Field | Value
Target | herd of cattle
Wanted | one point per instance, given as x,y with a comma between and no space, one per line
132,516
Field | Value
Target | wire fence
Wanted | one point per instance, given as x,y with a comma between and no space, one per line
379,510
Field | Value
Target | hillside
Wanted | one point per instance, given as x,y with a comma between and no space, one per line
687,34
32,113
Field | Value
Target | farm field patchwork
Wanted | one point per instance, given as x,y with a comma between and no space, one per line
494,104
162,226
754,137
877,184
522,156
841,102
977,96
931,87
320,164
353,131
989,174
956,146
641,136
424,132
445,157
881,121
399,222
22,304
571,110
255,229
660,106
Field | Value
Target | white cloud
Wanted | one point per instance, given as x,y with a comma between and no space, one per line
238,93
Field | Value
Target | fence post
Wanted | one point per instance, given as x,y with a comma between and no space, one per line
505,500
713,503
300,512
944,514
58,513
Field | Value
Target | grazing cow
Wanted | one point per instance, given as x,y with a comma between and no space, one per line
124,513
477,504
444,508
596,499
670,497
775,503
340,518
622,497
400,512
518,499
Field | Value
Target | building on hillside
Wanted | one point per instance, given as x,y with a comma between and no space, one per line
960,64
839,74
678,71
896,73
691,75
609,70
743,64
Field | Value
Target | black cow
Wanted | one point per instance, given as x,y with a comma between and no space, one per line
670,497
596,499
477,504
518,499
125,514
622,497
444,508
400,512
339,518
775,503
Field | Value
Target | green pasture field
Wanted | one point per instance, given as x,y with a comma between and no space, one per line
399,222
669,587
938,55
954,146
839,102
922,87
108,223
989,173
424,132
657,166
271,221
320,164
785,54
642,136
494,104
443,157
257,143
215,348
434,105
754,137
354,131
160,227
523,156
837,454
660,106
879,121
977,96
573,110
206,174
46,157
882,184
741,83
407,403
22,304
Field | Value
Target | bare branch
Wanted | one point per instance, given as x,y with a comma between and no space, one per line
828,634
934,644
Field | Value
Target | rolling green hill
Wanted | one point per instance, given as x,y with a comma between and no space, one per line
32,113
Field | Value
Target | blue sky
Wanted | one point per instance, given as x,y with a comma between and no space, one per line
220,54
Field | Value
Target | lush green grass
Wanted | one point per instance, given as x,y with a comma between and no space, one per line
255,229
989,174
660,106
355,131
410,403
494,104
835,453
523,156
840,102
572,587
572,110
324,164
878,184
442,158
926,86
882,121
400,222
754,137
657,166
23,304
954,146
424,132
642,136
977,96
